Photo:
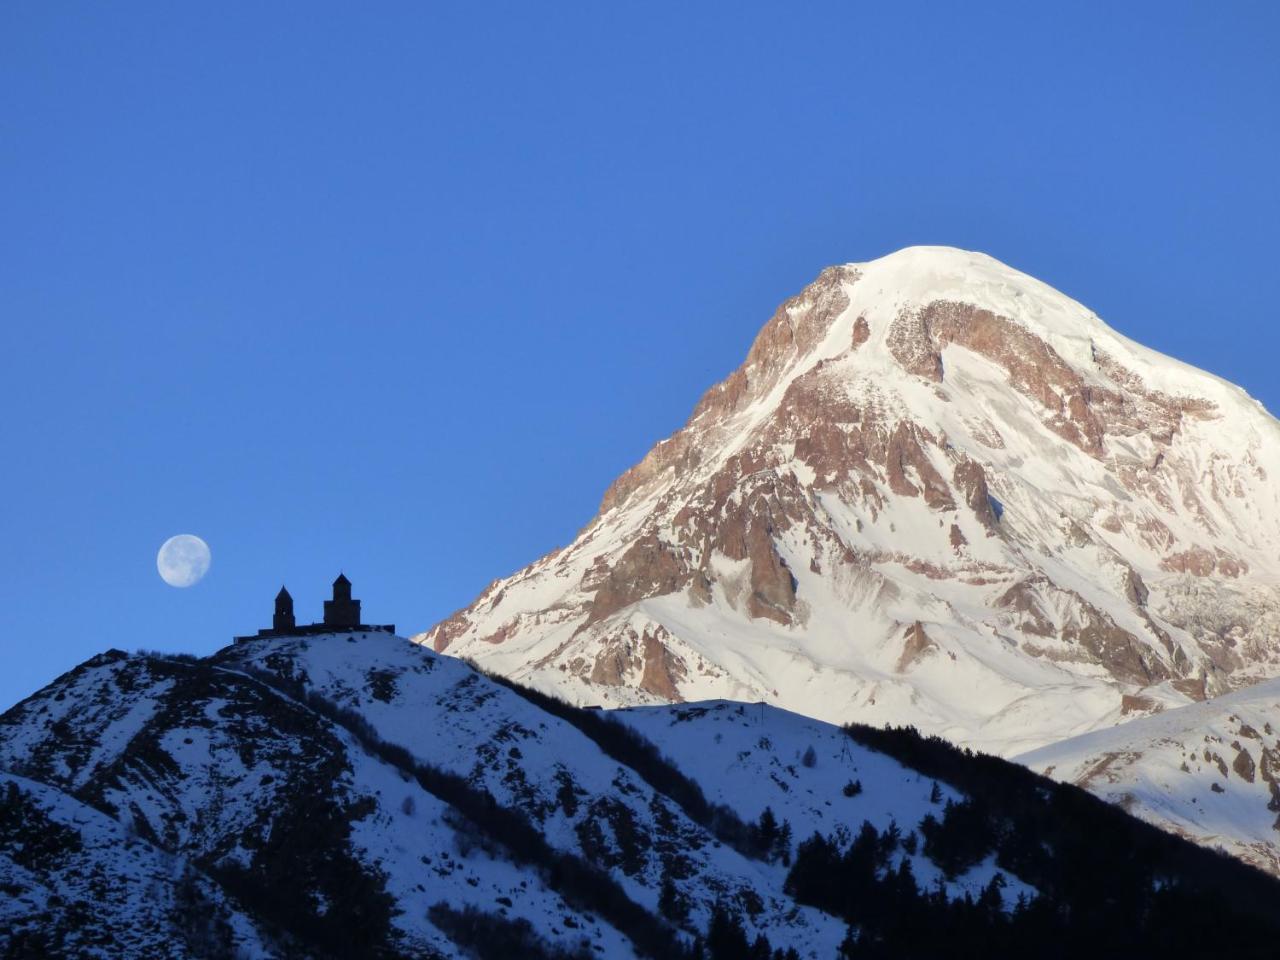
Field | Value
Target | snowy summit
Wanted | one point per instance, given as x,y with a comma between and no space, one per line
937,492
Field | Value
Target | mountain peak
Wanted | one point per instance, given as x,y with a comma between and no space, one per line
935,486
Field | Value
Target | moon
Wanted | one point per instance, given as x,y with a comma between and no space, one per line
183,560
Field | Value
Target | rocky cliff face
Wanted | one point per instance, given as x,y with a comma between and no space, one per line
936,492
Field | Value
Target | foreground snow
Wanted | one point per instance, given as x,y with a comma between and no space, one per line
174,768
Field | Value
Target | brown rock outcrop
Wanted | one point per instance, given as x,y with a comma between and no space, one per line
916,644
1125,656
1201,562
1193,687
905,452
1022,598
662,669
918,337
1243,763
1270,765
649,568
773,588
1131,703
971,480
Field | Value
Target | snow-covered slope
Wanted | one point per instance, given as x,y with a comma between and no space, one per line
1208,771
581,800
287,774
75,882
358,795
937,492
754,758
279,802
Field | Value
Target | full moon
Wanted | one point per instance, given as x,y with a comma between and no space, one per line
183,560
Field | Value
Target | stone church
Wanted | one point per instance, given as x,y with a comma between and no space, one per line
341,615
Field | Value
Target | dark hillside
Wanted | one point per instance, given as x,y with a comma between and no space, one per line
1107,880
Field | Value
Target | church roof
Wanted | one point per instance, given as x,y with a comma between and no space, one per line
283,594
342,578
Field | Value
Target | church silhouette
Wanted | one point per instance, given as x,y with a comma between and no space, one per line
341,615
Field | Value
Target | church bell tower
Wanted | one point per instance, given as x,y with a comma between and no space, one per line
283,621
342,611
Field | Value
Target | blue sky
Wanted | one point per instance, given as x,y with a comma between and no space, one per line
399,288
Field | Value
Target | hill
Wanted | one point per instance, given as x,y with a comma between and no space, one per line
358,795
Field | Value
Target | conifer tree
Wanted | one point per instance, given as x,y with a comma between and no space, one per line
782,844
766,831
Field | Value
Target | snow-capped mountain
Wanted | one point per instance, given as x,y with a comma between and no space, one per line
937,492
356,795
1207,771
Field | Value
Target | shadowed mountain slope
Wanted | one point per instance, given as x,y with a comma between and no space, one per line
358,795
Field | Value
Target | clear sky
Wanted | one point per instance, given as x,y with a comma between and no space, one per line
399,288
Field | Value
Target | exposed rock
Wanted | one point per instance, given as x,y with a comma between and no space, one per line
1130,703
1022,598
662,669
905,457
861,332
1134,587
445,632
912,346
1270,765
773,588
614,661
1034,368
1201,562
796,326
1243,763
1193,687
649,568
1123,654
1212,756
971,481
916,644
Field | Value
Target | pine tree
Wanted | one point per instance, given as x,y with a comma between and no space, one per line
890,839
911,843
726,940
905,884
782,844
809,880
766,831
991,900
